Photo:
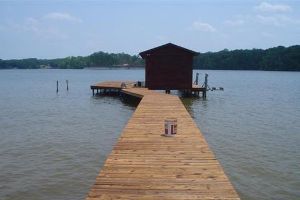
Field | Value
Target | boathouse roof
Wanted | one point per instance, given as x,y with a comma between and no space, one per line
166,47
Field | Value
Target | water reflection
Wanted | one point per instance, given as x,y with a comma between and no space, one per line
188,103
130,101
192,103
126,100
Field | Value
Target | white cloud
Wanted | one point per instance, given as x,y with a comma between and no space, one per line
42,29
202,26
54,33
37,28
31,24
62,17
277,20
267,35
268,20
237,22
267,7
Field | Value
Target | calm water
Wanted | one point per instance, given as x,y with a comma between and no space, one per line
52,146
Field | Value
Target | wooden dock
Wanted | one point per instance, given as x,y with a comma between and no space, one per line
111,86
144,165
116,86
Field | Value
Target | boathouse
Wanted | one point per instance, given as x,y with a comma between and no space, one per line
168,67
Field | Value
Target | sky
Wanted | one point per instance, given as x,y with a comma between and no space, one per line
61,28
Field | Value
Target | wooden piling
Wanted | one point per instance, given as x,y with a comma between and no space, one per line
205,86
67,81
197,78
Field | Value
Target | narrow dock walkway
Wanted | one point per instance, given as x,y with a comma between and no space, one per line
117,86
144,165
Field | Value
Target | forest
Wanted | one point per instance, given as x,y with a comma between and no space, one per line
273,59
98,59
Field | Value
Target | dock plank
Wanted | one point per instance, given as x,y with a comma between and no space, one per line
145,165
112,84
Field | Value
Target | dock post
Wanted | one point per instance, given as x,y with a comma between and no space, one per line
93,92
197,77
205,86
56,86
67,81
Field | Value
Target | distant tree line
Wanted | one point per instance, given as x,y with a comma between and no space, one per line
274,59
98,59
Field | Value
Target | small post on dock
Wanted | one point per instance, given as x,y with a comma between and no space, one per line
67,81
205,86
197,76
56,86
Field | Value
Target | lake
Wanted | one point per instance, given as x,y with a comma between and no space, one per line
53,144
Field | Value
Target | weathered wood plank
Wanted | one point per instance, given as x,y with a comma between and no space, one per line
145,165
112,85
